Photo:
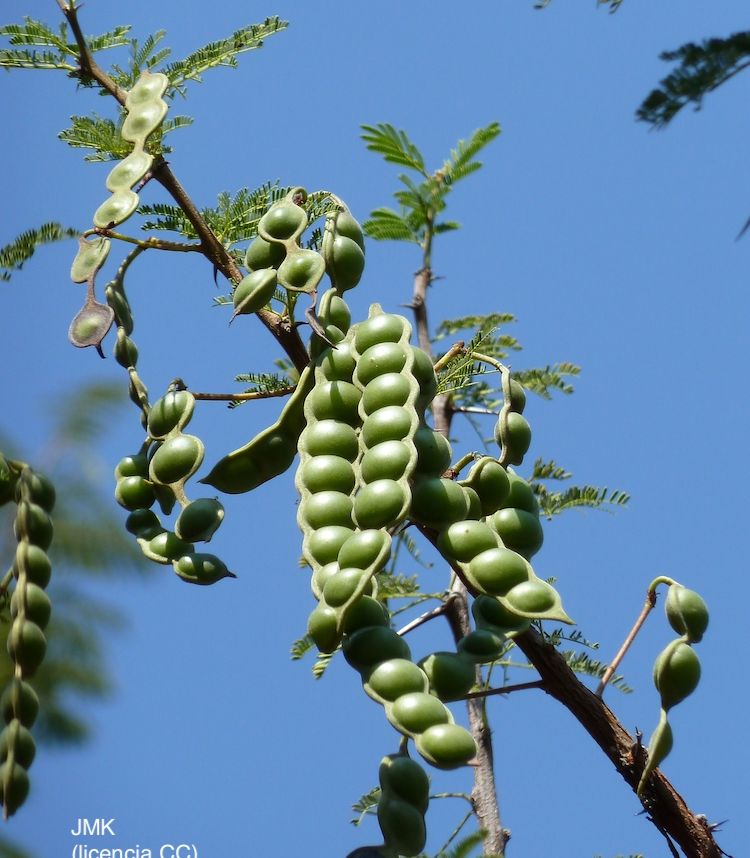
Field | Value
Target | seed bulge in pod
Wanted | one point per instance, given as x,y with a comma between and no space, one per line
340,588
395,677
519,530
338,364
322,626
380,359
199,520
143,523
392,388
264,254
417,711
532,597
686,612
134,493
176,459
253,292
33,523
166,547
14,786
366,611
379,504
201,569
391,423
481,646
381,328
175,408
437,502
433,452
498,570
362,548
367,647
407,779
327,473
402,825
26,645
677,672
19,701
520,495
447,746
335,400
386,461
425,374
324,544
328,508
36,604
464,540
34,561
18,738
347,262
40,489
328,437
283,221
450,675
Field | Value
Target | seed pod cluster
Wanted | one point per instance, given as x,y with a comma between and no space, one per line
140,482
390,677
404,798
389,391
512,431
30,610
145,112
677,669
343,249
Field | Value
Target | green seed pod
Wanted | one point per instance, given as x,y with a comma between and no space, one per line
322,473
677,672
438,502
498,570
33,561
391,679
116,209
91,255
659,746
33,524
144,523
364,548
301,271
283,222
172,411
347,225
519,530
515,440
199,520
16,737
7,481
366,611
176,459
345,263
341,587
125,351
403,827
380,359
134,493
425,375
132,466
37,488
388,461
489,479
481,646
328,437
405,778
446,746
201,569
686,612
329,507
322,626
379,328
324,544
264,254
338,364
14,786
129,171
35,603
269,453
391,423
165,547
415,712
464,540
26,645
521,495
489,614
253,292
451,676
433,452
391,388
19,701
335,400
379,504
370,646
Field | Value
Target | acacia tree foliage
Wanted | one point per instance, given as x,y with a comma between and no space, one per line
472,382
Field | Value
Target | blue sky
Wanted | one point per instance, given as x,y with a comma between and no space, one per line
615,248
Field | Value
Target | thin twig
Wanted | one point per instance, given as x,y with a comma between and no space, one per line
147,243
244,397
506,689
455,350
426,617
5,583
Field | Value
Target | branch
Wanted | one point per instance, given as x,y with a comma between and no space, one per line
286,335
663,804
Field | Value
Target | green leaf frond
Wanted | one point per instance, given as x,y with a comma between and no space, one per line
21,249
321,663
701,69
461,162
545,380
488,322
549,471
556,636
394,145
387,225
97,133
590,497
301,647
581,663
260,382
464,847
223,52
366,804
57,52
165,217
391,586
